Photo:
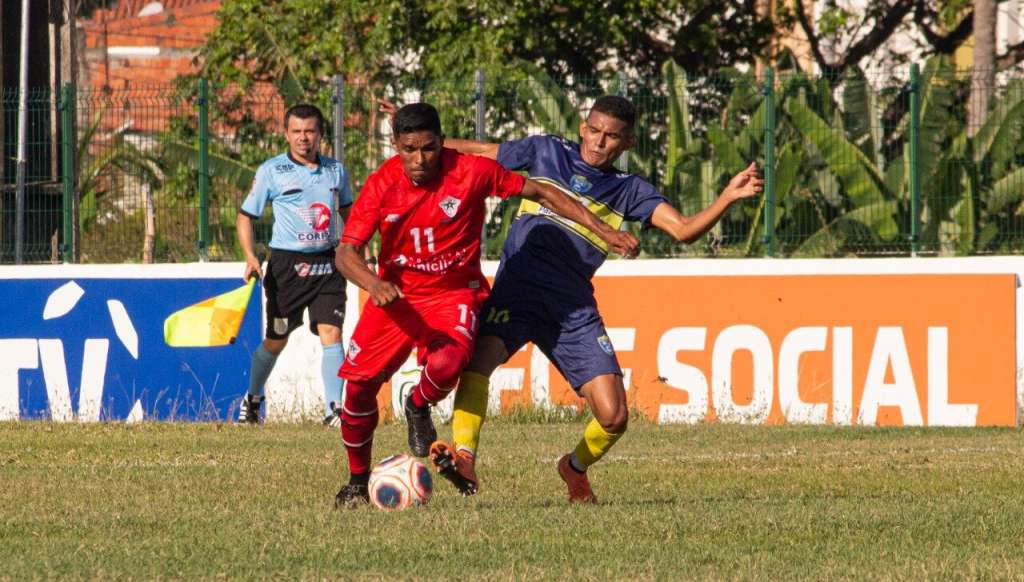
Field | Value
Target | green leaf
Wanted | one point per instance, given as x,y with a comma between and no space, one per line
860,179
861,115
679,135
936,103
726,153
549,106
231,171
787,169
1000,135
874,222
1009,190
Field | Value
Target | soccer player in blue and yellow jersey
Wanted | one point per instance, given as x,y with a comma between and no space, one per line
428,205
543,293
308,193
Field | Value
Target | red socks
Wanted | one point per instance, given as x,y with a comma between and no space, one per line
359,417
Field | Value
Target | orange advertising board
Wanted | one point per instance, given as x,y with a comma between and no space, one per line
885,350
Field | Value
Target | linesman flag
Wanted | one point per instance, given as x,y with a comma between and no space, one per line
212,322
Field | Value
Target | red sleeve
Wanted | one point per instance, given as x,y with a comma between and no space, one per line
364,217
501,182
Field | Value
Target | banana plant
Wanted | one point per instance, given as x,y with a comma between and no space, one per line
985,168
103,165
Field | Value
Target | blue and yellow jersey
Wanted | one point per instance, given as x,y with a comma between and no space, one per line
302,200
550,249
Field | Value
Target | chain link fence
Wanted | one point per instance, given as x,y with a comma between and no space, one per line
869,164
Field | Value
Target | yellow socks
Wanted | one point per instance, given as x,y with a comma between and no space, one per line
595,443
470,410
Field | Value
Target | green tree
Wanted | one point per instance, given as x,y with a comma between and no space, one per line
378,40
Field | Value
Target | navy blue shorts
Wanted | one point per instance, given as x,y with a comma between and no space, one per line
570,332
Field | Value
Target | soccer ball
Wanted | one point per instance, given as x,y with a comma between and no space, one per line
400,482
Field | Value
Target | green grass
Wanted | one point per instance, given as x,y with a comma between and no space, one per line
210,500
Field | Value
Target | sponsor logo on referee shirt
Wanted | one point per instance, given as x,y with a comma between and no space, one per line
317,216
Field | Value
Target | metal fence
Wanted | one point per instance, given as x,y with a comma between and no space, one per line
865,165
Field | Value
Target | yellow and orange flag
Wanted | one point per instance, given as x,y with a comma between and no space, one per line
212,322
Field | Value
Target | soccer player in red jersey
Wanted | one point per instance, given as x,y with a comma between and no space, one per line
427,202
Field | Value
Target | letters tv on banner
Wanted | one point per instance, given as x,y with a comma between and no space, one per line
930,350
93,349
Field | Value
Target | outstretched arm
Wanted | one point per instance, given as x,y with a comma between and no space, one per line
623,243
477,148
464,146
688,229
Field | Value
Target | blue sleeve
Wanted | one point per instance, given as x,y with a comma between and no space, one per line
344,188
642,201
519,154
261,192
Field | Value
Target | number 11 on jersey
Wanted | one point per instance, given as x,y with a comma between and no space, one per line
428,233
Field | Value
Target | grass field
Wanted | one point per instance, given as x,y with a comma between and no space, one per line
713,501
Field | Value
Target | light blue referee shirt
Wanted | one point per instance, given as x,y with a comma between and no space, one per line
302,200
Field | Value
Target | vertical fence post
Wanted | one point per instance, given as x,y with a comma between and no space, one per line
67,165
338,99
481,104
769,162
338,125
623,162
481,135
21,159
915,168
204,162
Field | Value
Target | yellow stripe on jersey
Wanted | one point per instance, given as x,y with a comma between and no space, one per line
606,213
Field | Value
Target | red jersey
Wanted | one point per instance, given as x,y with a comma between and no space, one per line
430,234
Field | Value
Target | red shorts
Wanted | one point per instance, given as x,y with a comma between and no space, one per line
385,336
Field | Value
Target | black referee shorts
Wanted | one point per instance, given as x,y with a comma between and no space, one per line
297,281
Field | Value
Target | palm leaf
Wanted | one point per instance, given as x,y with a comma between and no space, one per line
787,170
290,86
753,131
874,221
936,103
1009,190
231,171
680,136
1000,135
861,115
943,190
549,106
726,152
861,180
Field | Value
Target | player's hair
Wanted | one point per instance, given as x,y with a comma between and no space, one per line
416,117
306,111
618,107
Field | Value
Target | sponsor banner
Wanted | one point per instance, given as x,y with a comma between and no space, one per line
860,349
755,341
91,347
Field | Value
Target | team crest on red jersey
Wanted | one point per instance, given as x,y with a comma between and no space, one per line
450,206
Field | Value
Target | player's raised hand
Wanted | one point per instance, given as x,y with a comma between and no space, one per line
622,243
746,184
384,293
387,107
